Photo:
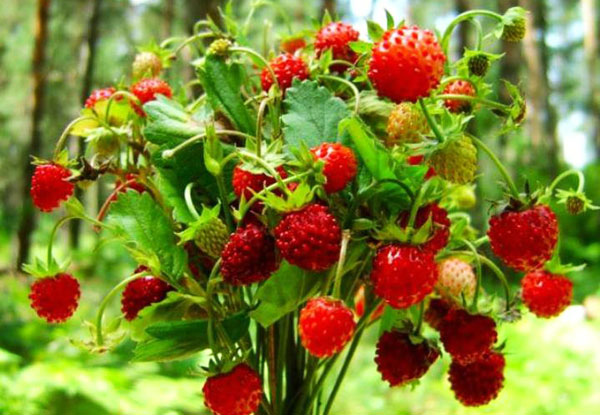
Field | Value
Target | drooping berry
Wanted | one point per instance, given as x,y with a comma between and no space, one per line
546,295
249,256
325,326
56,298
478,64
406,124
515,25
309,238
286,67
147,89
403,274
457,278
359,305
479,382
337,36
455,160
459,87
524,239
406,64
436,312
467,337
99,95
400,361
440,225
141,292
146,65
49,187
340,165
237,392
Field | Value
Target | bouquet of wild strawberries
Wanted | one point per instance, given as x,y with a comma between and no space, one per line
298,201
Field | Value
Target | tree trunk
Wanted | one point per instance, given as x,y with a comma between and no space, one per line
86,87
38,75
464,29
168,17
590,45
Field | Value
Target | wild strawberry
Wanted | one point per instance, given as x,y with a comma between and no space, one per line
249,256
55,299
400,361
99,95
436,312
467,337
359,305
440,231
479,382
325,326
309,238
49,186
406,124
141,292
524,239
340,165
478,64
459,87
211,237
146,65
337,36
292,44
406,64
455,160
515,25
237,392
147,89
545,294
457,278
286,67
403,274
417,160
247,183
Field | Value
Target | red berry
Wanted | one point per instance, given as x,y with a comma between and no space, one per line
459,87
249,256
325,326
247,183
147,89
524,240
403,274
417,160
440,231
467,337
406,64
99,95
545,294
49,186
286,67
436,312
359,305
141,292
479,382
291,45
238,392
340,165
309,238
55,298
400,361
337,36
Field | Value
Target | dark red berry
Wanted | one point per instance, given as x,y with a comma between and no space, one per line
49,186
286,67
237,392
545,294
440,225
467,337
55,298
340,165
479,382
141,292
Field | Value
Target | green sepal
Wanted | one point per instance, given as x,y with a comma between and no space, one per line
39,268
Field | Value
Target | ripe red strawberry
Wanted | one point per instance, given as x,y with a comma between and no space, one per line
545,294
247,183
337,36
525,239
142,292
403,274
359,305
459,87
467,337
406,64
286,67
237,392
457,278
49,186
325,326
55,299
400,361
309,238
292,44
436,312
417,160
340,165
147,89
479,382
99,95
249,256
440,231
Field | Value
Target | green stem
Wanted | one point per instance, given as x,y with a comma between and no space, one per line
417,204
210,310
509,181
193,38
432,124
564,175
269,169
462,17
420,318
478,270
259,120
258,56
65,134
58,224
187,194
349,84
469,98
116,95
224,201
337,283
171,152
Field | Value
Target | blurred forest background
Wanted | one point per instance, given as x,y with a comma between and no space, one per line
54,52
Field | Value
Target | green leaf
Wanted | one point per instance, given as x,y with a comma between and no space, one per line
180,339
375,31
284,292
312,114
222,83
361,46
389,19
168,123
173,307
144,226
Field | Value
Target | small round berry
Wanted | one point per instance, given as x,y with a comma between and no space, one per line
455,160
141,292
546,295
340,165
459,87
247,183
337,36
56,298
325,325
286,67
292,44
406,124
219,47
99,95
467,337
478,64
436,312
440,225
479,382
49,186
575,204
237,392
147,89
146,64
457,278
